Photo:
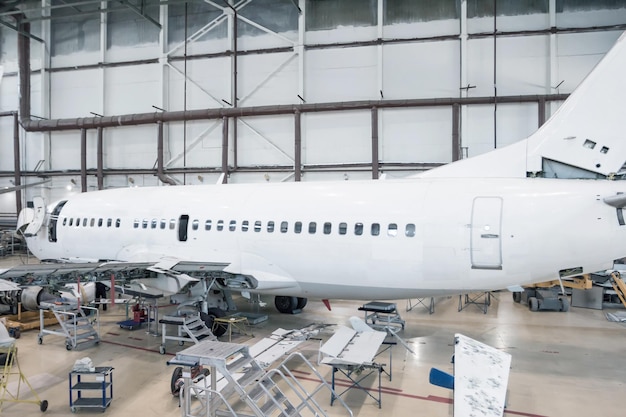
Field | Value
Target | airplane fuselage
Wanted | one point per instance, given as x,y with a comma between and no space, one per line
352,239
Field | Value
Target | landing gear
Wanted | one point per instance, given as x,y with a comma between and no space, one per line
218,329
289,305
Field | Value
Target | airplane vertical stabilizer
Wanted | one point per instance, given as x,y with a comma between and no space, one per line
586,132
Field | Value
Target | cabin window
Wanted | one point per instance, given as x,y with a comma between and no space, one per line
195,224
410,230
233,225
118,222
136,223
297,228
153,224
270,227
375,229
172,224
207,225
163,223
71,221
343,228
392,229
358,229
92,222
99,222
312,227
220,225
327,228
284,227
64,221
85,222
144,224
257,226
244,225
77,221
109,222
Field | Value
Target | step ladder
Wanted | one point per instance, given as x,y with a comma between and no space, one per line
238,386
619,286
189,329
76,326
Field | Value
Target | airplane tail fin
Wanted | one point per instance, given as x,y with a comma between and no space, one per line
586,133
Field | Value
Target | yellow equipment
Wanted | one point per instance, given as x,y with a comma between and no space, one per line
11,368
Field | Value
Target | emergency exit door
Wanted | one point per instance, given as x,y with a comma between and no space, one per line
486,242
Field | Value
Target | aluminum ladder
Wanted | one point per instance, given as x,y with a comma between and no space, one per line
240,387
76,326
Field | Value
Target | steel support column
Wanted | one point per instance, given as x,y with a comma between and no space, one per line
225,149
16,162
83,160
541,109
375,159
297,163
456,132
100,162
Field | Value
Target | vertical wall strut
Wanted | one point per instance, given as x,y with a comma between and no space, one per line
83,160
225,149
456,134
375,163
16,163
297,163
100,162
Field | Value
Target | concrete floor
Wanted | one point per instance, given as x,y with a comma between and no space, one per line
564,364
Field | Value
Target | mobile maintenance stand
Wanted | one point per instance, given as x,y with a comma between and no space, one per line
382,315
76,326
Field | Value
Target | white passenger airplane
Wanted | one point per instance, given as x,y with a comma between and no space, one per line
483,223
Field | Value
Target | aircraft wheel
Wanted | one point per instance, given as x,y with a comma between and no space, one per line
564,304
177,381
218,329
533,304
517,297
286,304
301,303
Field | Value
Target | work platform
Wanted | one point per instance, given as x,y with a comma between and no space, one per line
238,385
381,315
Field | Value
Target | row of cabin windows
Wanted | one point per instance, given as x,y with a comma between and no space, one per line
375,229
91,222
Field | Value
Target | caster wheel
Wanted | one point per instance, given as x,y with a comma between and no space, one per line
40,340
162,350
43,406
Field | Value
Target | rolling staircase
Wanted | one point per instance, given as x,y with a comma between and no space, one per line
239,387
77,328
189,329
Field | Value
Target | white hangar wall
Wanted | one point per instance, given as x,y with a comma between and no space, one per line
309,51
